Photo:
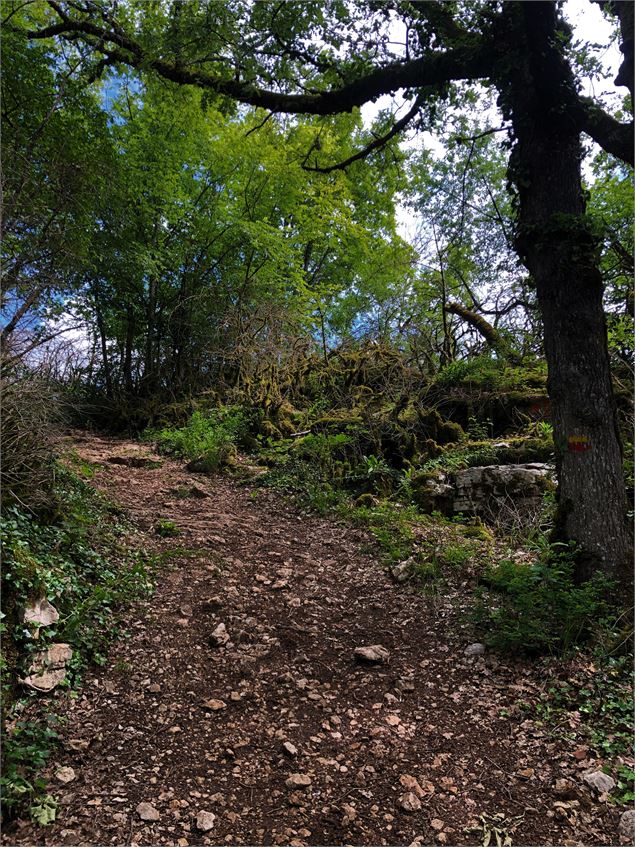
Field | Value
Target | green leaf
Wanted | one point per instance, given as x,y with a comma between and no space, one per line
45,811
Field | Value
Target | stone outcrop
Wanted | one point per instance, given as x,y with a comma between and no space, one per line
485,491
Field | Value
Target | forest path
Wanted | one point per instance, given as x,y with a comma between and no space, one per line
297,595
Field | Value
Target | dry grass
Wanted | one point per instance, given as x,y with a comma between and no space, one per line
31,414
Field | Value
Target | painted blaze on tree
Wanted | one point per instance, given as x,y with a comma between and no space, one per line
326,58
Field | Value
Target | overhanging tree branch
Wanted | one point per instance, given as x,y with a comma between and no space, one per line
610,134
468,61
377,144
484,328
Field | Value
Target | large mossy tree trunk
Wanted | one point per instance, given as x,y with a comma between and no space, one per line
556,241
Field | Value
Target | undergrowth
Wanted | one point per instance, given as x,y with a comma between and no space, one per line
537,607
208,439
594,706
74,557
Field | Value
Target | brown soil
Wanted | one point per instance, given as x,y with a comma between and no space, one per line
297,595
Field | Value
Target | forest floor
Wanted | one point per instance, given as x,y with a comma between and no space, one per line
280,734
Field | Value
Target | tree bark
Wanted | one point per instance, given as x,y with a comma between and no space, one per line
556,241
103,339
484,328
127,362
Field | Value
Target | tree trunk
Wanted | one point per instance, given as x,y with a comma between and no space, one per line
556,241
147,380
103,338
127,362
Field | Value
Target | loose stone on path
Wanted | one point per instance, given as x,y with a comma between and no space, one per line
375,654
298,780
205,820
147,812
65,775
219,636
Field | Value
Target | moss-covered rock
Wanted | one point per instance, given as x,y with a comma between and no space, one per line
368,500
449,432
520,451
432,492
269,429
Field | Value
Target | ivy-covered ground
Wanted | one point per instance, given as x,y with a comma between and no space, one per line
274,729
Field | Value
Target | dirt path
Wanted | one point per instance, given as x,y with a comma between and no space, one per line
296,596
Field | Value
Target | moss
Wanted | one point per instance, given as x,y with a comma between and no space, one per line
337,422
363,395
424,486
429,450
270,430
286,426
512,451
223,457
422,478
449,432
433,425
250,443
478,531
409,417
287,418
166,528
367,500
523,451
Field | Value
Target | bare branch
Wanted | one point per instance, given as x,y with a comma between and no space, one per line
377,144
260,125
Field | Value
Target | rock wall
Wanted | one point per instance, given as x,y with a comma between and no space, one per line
486,491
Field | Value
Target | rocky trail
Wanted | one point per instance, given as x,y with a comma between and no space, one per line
238,712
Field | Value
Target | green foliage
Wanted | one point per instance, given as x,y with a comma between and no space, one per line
457,555
485,373
374,475
207,439
76,560
324,450
513,450
594,705
389,523
44,810
478,430
25,752
466,455
537,608
166,528
304,483
481,371
624,794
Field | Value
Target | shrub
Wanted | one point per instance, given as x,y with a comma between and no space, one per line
537,608
25,753
458,555
482,371
304,482
373,475
324,450
75,560
30,410
166,528
207,440
389,523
